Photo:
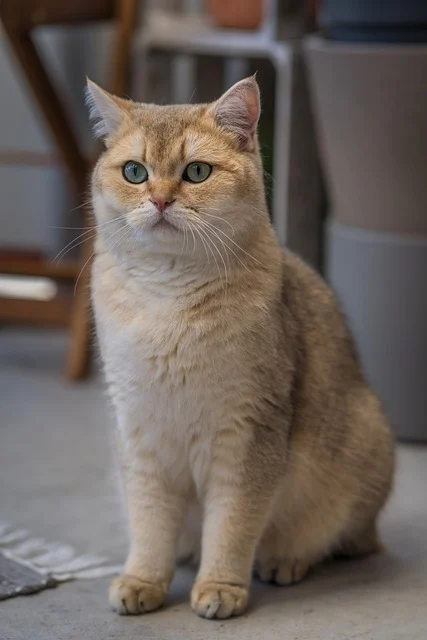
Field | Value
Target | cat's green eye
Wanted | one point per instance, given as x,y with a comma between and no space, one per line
197,172
135,172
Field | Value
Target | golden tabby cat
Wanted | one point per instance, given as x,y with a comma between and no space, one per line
247,435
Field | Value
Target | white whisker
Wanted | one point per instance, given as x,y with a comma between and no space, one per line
194,239
212,228
74,246
209,224
184,243
224,244
209,245
123,229
202,240
205,213
80,206
209,239
82,269
71,245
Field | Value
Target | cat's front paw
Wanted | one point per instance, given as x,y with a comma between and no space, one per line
218,600
130,595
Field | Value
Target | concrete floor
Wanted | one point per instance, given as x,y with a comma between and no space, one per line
57,480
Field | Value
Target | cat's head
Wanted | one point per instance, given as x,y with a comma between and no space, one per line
178,178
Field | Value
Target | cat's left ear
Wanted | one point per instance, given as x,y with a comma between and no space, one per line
238,111
105,110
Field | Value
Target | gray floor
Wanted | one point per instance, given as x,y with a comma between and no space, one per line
57,479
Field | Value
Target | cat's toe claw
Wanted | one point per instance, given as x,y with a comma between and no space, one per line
218,600
130,595
282,571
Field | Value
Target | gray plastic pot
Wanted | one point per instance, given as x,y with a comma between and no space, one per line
381,280
370,110
370,106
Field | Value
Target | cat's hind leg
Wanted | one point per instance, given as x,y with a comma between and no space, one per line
281,571
293,544
361,543
280,562
276,560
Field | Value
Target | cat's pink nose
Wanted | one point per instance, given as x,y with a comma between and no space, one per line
162,202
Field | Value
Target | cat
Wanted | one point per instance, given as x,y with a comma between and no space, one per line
247,434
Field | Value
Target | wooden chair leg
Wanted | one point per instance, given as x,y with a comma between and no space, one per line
126,16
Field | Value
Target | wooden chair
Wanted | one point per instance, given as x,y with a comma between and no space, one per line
19,19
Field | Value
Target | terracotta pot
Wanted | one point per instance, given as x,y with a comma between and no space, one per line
236,14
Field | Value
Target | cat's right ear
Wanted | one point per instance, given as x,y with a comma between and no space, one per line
106,111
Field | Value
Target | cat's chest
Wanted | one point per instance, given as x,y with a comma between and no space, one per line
176,375
171,368
168,383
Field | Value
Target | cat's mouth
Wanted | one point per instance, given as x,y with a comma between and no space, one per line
164,225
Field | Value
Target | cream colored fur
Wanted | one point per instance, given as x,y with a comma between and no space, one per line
245,429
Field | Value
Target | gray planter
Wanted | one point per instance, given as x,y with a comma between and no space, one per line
370,106
381,280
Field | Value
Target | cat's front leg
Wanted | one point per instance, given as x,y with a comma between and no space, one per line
235,516
156,511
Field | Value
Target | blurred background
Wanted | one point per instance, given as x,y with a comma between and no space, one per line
343,136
